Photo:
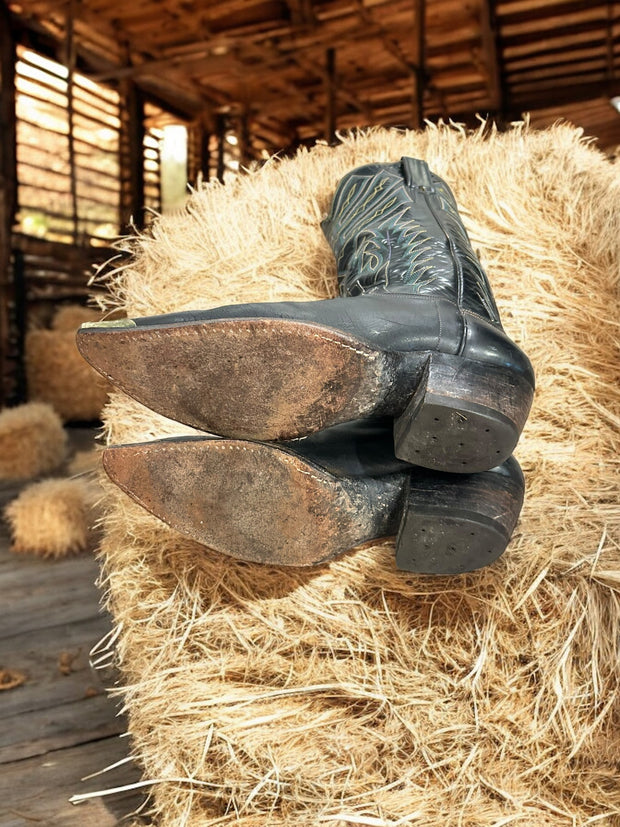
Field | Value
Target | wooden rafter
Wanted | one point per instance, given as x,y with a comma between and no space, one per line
302,13
269,58
389,43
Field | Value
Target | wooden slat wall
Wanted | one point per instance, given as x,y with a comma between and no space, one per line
52,173
41,275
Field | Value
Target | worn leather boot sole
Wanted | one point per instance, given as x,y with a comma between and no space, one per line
277,379
264,504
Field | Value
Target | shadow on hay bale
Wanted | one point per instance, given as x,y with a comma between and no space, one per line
355,694
57,374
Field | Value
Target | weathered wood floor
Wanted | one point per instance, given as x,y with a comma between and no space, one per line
59,725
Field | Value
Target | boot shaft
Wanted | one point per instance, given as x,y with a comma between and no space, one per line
396,228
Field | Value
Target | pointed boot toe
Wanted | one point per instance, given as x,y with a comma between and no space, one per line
247,378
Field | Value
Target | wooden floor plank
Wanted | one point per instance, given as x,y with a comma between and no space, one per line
59,724
55,665
71,605
24,574
66,725
37,790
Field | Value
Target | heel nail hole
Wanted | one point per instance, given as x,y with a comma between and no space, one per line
487,430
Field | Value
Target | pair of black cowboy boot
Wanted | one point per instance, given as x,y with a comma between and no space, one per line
391,410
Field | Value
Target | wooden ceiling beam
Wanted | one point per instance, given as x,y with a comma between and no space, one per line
566,70
557,57
389,43
270,58
301,13
206,61
559,95
550,11
555,46
534,37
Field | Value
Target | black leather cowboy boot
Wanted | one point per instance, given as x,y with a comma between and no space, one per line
415,336
304,502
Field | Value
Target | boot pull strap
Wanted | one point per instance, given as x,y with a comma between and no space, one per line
417,174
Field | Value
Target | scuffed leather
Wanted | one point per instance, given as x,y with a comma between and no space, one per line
484,342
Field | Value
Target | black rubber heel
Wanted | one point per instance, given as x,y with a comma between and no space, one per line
452,525
464,416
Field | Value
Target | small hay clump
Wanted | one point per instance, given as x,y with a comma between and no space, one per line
53,518
32,441
57,374
355,694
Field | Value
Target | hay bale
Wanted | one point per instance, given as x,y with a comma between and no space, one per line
32,441
356,694
57,374
53,518
71,316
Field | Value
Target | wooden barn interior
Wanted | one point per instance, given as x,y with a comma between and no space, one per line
108,110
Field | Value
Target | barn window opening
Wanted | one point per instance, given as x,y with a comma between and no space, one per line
67,155
166,160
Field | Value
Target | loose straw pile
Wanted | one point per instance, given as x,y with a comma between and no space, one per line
356,694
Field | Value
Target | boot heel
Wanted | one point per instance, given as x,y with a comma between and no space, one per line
464,416
452,525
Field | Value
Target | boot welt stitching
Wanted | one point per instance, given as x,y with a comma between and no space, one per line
289,461
342,344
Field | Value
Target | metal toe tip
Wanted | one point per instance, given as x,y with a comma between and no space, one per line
108,324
